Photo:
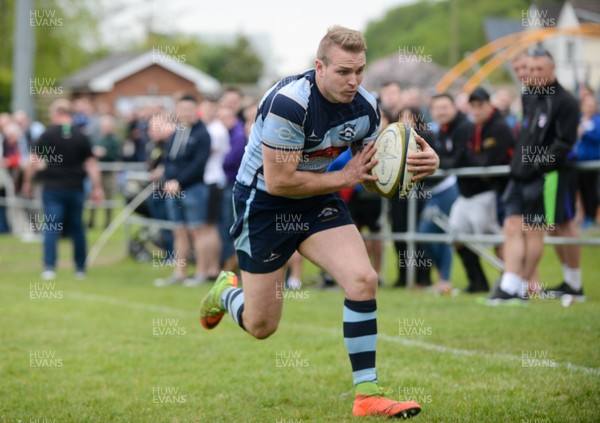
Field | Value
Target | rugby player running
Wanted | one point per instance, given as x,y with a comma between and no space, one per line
303,123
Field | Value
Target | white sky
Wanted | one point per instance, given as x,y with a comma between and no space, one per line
295,27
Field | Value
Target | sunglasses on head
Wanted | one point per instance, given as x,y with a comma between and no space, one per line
539,51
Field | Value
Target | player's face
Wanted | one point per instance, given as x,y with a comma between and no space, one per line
541,71
339,79
480,110
521,67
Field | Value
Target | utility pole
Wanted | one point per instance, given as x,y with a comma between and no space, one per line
23,56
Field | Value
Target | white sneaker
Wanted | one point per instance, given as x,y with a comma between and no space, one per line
294,283
80,275
171,280
195,280
48,275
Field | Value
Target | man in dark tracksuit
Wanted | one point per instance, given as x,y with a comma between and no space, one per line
540,195
475,211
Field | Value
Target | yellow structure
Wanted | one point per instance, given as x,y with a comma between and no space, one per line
504,49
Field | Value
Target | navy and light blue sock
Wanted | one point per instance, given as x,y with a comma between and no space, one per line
233,301
360,337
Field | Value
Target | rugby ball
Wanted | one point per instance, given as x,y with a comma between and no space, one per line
395,142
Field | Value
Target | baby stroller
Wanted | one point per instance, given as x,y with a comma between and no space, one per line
146,239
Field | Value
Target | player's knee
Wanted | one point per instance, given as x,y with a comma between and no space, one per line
364,286
261,329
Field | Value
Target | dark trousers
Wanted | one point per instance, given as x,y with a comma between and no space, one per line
399,217
157,209
62,207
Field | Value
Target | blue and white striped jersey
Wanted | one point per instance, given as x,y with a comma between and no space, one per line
294,115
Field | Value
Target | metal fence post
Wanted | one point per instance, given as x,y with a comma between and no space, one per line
384,224
411,244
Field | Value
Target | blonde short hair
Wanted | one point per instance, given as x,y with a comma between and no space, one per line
345,38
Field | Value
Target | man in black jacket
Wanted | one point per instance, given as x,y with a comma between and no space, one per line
186,194
450,143
539,196
475,210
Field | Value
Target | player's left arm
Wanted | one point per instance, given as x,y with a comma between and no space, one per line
422,163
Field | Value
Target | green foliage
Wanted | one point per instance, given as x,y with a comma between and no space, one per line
6,32
229,63
5,88
426,24
64,42
6,52
234,63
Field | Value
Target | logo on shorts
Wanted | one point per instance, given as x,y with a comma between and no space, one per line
272,257
328,213
348,132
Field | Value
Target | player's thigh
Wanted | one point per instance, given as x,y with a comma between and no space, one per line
341,252
263,296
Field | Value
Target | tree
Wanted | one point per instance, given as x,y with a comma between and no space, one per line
228,63
237,63
426,25
66,35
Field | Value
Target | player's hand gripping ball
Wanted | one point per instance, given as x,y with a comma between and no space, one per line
395,142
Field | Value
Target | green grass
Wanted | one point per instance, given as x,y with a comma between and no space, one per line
467,367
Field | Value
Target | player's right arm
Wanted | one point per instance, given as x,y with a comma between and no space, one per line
283,179
282,136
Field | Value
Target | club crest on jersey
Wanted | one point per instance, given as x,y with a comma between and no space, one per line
348,132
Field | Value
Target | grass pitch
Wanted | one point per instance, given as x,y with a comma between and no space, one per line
113,348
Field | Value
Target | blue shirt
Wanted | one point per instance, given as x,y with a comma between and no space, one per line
294,116
588,147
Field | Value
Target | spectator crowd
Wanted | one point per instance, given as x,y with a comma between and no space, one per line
192,154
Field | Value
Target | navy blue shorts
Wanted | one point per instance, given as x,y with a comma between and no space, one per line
268,229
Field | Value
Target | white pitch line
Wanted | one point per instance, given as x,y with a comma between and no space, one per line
125,303
382,336
458,351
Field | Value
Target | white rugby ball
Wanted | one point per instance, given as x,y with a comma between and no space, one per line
395,142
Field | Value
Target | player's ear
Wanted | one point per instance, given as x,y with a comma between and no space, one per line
319,66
